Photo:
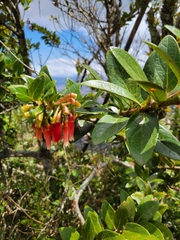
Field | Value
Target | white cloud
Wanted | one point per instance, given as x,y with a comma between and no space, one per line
62,68
40,12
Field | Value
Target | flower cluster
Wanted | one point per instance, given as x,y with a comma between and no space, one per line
54,122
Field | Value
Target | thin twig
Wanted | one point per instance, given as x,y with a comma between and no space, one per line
20,208
82,188
18,58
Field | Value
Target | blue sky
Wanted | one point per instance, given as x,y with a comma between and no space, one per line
59,65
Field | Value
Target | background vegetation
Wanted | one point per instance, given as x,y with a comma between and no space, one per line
44,190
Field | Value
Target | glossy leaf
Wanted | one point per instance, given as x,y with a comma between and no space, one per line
146,209
165,231
68,233
107,214
157,70
129,64
169,60
109,235
125,213
116,72
135,231
28,79
111,88
87,209
36,87
152,229
141,135
80,131
106,127
92,72
49,89
154,90
45,70
92,226
143,185
21,92
167,144
174,30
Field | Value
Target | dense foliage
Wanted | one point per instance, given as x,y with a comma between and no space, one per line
130,181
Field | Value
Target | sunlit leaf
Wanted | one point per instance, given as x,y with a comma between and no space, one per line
68,233
129,64
36,87
111,88
141,135
152,229
107,214
167,144
109,235
168,59
106,127
154,90
21,92
92,72
174,30
146,209
164,230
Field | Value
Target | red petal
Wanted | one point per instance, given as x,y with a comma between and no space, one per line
66,134
47,136
71,127
56,132
39,133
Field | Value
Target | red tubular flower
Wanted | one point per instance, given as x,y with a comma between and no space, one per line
56,132
39,133
66,133
47,136
71,127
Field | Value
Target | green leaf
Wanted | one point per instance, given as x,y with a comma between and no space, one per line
125,213
49,89
109,235
157,70
116,72
21,92
129,64
141,135
72,87
143,186
131,209
28,79
174,30
106,127
81,131
167,144
92,72
107,214
36,87
92,226
135,231
111,88
165,231
146,209
87,209
154,90
123,195
45,70
68,233
152,229
169,59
